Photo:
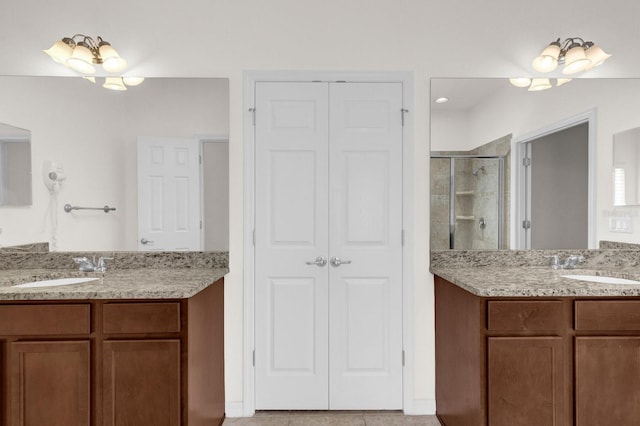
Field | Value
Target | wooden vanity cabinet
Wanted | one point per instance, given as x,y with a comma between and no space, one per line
115,363
607,362
141,363
46,357
498,362
536,361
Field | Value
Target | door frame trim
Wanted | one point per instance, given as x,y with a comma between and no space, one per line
250,79
519,203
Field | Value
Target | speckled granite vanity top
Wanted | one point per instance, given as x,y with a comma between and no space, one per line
168,275
527,274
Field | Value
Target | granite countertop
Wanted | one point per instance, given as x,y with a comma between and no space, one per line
536,281
512,273
144,283
167,275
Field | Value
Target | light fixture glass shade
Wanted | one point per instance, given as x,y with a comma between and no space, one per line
596,55
548,59
111,61
538,84
132,81
82,60
60,52
561,81
114,83
520,81
575,60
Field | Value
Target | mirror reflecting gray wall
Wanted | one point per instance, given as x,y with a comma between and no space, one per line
15,166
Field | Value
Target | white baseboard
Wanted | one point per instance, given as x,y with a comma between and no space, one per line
234,409
421,407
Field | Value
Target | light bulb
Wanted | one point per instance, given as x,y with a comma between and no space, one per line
111,61
575,60
520,81
538,84
596,55
82,60
132,81
114,83
60,52
547,61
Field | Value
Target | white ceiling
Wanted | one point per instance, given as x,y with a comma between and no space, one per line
464,93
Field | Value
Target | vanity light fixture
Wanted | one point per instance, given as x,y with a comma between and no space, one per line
82,53
576,54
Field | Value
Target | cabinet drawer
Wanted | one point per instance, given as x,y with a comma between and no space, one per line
524,315
44,320
607,315
141,318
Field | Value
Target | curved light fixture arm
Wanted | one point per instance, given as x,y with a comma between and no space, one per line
89,43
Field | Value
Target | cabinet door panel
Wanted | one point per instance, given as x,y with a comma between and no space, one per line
525,381
50,383
607,380
141,382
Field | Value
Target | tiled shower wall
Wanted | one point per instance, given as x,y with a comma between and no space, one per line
475,198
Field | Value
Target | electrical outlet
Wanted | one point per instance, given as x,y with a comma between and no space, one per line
620,224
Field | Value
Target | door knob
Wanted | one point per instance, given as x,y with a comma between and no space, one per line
145,241
336,261
320,261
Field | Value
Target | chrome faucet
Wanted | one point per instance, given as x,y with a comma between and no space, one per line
569,263
89,265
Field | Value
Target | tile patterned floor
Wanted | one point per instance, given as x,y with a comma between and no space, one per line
333,418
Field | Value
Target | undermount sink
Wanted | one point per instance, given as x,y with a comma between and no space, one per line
601,279
56,282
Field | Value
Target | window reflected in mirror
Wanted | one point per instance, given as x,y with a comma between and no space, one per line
626,157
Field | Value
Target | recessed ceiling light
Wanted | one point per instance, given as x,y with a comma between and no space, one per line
442,100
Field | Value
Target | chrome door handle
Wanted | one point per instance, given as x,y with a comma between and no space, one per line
320,261
336,261
145,241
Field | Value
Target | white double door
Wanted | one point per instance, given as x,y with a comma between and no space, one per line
328,246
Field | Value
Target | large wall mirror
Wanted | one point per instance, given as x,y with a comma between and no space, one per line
91,134
491,118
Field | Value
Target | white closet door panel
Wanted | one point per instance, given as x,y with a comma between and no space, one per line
291,303
366,325
291,229
365,179
366,223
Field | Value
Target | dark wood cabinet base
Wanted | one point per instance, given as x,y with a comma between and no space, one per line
113,363
536,361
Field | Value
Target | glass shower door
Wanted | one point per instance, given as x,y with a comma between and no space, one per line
467,207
